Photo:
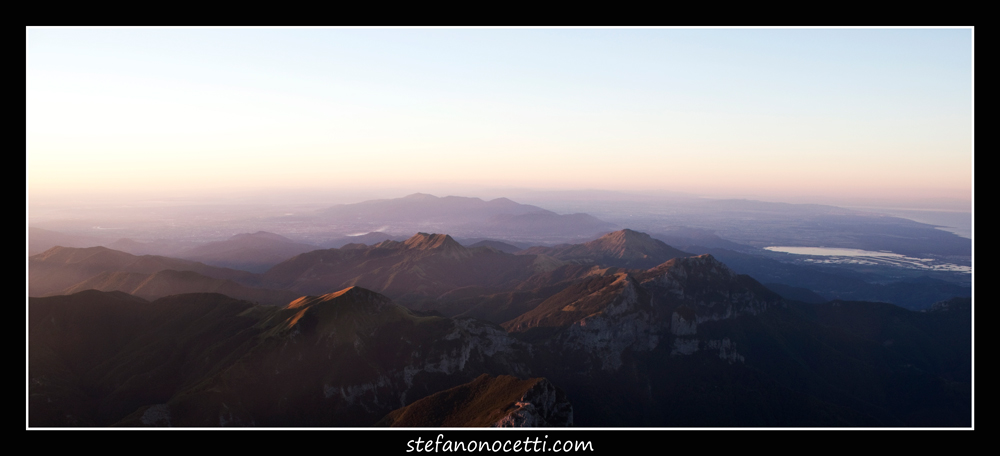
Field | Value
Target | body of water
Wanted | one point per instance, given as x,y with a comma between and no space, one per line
831,255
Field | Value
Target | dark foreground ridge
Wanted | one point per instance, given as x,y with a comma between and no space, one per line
687,343
502,401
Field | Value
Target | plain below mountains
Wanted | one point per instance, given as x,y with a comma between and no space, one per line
500,218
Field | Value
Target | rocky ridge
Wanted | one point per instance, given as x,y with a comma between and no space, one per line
687,342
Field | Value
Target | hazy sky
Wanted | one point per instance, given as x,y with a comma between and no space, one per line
722,112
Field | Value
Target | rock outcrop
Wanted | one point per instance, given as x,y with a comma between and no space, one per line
487,401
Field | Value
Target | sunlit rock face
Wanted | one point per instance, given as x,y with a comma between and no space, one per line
543,405
623,248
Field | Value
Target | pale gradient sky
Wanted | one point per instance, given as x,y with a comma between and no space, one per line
720,112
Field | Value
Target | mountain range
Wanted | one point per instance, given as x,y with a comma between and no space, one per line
625,249
423,267
254,252
687,342
688,225
499,218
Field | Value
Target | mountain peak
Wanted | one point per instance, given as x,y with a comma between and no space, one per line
624,248
698,265
354,293
629,244
625,235
420,196
342,315
425,241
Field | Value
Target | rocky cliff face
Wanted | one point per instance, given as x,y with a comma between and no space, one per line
488,401
604,317
696,290
708,288
350,357
345,358
543,405
627,322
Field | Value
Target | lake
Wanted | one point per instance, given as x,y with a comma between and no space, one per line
832,255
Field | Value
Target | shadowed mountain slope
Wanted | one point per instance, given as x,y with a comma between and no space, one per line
346,358
501,401
95,357
366,239
424,266
254,252
686,343
499,307
691,343
60,268
169,282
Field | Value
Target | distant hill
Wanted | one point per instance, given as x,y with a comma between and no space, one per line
60,268
40,240
169,282
424,208
500,218
624,248
254,252
424,266
367,239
